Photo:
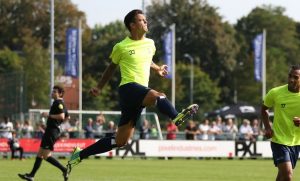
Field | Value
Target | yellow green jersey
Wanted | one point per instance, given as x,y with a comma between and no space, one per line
134,58
286,106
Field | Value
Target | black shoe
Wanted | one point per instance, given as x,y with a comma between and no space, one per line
66,175
26,176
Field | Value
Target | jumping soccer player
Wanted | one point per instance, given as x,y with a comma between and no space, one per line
285,133
51,135
134,56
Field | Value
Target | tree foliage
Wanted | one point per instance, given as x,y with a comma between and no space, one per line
201,33
25,30
282,50
222,53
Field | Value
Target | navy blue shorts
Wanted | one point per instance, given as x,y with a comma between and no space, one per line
131,100
283,153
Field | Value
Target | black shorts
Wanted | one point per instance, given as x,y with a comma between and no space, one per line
283,153
49,138
131,100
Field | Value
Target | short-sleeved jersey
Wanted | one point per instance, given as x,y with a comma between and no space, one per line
286,106
57,107
134,58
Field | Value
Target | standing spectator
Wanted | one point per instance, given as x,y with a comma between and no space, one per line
98,127
6,127
88,128
15,146
39,130
204,130
191,130
145,129
245,131
285,134
27,129
257,132
230,129
66,128
18,129
74,132
111,129
214,131
172,130
219,122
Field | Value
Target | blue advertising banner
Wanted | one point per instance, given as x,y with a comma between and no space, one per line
72,56
258,57
167,42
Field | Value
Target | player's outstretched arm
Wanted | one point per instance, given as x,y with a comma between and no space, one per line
161,70
106,76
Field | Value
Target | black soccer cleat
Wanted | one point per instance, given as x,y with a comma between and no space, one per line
26,176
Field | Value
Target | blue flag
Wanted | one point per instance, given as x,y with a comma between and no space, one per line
72,56
258,57
167,42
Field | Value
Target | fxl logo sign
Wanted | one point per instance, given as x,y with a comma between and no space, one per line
133,148
246,149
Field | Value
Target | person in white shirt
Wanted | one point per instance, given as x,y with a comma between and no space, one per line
204,130
245,130
6,127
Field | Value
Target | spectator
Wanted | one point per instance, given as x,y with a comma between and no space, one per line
40,129
219,122
98,127
111,129
257,131
230,129
74,131
65,128
214,131
245,130
14,145
204,130
18,129
27,129
6,127
191,130
145,130
89,131
172,130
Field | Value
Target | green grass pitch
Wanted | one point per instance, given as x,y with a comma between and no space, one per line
149,170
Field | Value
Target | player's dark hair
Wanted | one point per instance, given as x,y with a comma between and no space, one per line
130,17
60,89
295,67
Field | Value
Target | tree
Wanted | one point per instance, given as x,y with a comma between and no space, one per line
36,65
9,61
27,16
282,50
26,29
201,33
11,78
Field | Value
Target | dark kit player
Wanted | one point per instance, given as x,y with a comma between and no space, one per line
55,117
